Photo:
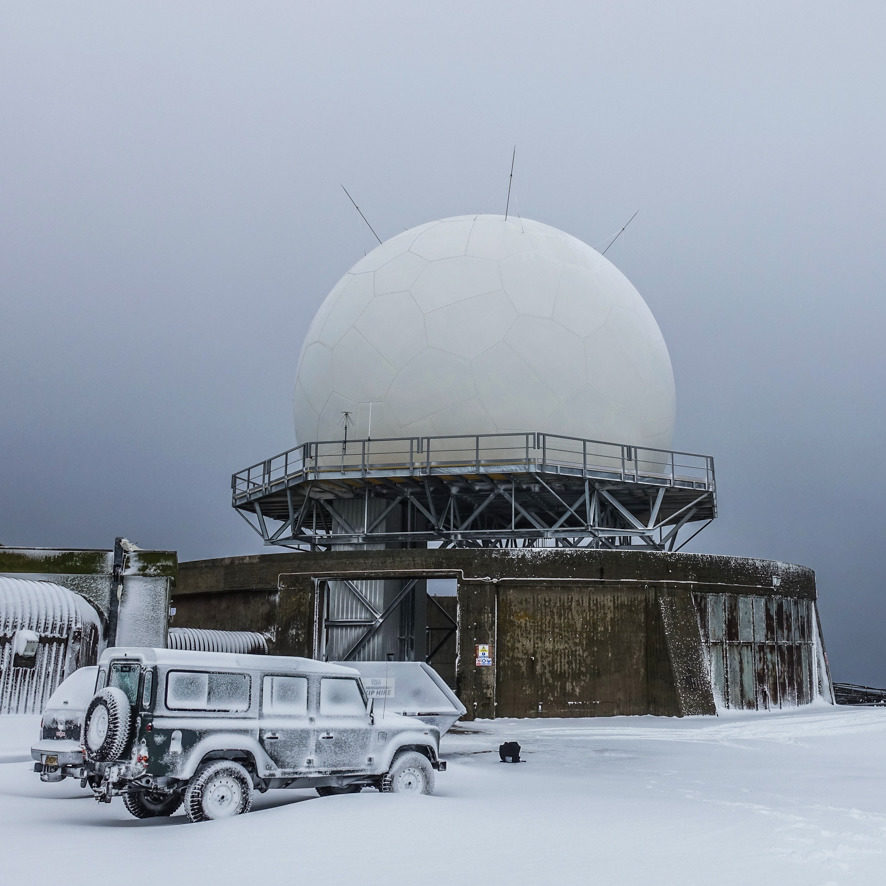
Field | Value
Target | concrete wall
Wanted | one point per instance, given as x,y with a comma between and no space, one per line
571,633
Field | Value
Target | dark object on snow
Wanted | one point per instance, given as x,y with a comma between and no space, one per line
851,693
509,752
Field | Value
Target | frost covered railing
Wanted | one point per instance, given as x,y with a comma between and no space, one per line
531,452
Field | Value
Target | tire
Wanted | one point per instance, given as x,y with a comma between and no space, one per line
219,789
148,804
335,790
106,725
410,773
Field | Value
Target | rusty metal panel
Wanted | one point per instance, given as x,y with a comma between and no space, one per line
745,619
718,671
772,673
804,684
759,619
767,653
733,676
748,676
804,620
716,618
567,652
730,602
761,678
771,619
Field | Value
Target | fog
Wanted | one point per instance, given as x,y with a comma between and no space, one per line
172,216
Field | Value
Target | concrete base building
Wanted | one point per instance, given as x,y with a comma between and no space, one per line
551,632
487,401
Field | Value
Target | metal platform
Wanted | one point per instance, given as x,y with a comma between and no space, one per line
487,490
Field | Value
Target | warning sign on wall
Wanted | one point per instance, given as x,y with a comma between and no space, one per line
483,655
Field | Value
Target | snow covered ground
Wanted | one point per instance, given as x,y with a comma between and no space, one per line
785,798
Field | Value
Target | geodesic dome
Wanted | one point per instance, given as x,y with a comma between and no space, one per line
477,325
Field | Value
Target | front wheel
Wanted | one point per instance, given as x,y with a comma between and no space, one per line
151,804
219,789
410,773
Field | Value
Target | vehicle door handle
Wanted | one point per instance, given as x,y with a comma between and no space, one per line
327,735
271,736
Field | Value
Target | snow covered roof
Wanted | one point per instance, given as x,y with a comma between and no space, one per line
188,658
44,607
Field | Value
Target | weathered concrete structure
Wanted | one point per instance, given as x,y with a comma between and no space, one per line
554,632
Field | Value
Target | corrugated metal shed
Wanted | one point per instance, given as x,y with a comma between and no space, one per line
67,630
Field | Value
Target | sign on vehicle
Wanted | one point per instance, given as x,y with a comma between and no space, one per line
379,687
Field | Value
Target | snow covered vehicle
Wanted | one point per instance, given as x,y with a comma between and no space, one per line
59,752
206,729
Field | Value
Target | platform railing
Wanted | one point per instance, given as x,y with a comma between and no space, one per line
474,453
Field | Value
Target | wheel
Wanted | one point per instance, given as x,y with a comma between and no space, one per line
106,725
219,789
151,804
333,790
410,773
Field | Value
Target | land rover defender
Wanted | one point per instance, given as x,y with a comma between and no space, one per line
206,729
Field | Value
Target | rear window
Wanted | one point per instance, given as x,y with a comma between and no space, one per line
124,675
202,691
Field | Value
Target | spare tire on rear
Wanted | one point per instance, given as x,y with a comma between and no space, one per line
106,725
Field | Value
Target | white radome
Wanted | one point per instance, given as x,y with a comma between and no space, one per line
478,324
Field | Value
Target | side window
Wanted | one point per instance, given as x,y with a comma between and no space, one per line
146,690
201,691
286,696
124,675
341,697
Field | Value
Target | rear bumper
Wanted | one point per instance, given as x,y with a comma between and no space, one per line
58,759
60,753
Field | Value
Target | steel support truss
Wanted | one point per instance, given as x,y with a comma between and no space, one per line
350,619
519,490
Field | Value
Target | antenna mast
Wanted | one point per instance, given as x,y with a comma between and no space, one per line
346,415
619,233
510,179
361,214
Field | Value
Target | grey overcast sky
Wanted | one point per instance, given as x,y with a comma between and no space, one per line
171,216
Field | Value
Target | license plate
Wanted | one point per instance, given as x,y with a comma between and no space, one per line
50,760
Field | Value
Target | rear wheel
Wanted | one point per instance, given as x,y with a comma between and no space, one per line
219,789
151,804
106,725
333,790
410,773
